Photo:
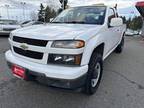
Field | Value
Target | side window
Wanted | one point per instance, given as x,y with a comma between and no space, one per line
111,15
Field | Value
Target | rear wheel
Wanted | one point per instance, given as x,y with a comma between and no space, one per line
94,74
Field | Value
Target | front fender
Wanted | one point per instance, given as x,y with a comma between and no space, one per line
90,47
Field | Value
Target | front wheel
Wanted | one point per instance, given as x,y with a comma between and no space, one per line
120,47
94,74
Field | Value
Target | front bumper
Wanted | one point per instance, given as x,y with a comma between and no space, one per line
58,76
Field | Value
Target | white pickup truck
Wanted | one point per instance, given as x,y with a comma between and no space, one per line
68,52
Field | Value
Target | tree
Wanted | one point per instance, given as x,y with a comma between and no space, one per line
65,3
49,13
45,14
41,13
128,22
136,23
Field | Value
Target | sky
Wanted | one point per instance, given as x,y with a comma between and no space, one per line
125,7
121,3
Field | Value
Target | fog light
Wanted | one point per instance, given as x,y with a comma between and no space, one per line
65,59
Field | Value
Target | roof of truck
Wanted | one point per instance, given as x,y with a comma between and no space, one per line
93,5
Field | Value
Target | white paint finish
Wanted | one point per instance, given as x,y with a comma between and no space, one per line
116,22
46,50
60,72
58,31
93,35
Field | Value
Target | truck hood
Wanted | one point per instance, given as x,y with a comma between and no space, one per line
57,31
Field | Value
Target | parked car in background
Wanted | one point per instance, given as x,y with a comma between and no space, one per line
130,32
30,23
6,26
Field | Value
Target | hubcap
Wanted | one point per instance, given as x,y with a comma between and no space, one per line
96,75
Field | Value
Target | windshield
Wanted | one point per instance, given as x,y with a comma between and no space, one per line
82,15
7,22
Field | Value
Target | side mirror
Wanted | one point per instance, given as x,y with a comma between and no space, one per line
116,22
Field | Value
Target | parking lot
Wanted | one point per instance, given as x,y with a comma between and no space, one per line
122,84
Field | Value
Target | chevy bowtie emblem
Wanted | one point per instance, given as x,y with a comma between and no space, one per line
24,46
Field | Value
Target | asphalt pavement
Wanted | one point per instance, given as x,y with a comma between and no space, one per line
122,84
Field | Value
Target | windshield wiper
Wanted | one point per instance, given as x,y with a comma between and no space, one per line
76,22
57,22
73,22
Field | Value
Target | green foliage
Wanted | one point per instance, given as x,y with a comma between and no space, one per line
128,23
45,14
49,13
135,24
41,13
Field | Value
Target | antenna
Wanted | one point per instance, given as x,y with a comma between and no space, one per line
116,5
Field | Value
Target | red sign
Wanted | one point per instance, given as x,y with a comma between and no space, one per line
140,4
18,71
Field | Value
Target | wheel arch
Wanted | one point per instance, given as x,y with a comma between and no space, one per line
99,48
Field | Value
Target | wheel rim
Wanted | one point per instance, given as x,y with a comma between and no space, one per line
96,75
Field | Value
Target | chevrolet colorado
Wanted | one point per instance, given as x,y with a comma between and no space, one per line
68,52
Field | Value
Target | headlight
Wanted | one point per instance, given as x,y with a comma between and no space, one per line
69,44
65,59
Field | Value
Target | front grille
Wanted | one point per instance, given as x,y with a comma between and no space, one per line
28,53
29,41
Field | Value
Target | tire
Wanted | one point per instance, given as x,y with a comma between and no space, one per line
94,74
120,47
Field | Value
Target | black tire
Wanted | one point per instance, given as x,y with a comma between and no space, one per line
120,47
89,88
